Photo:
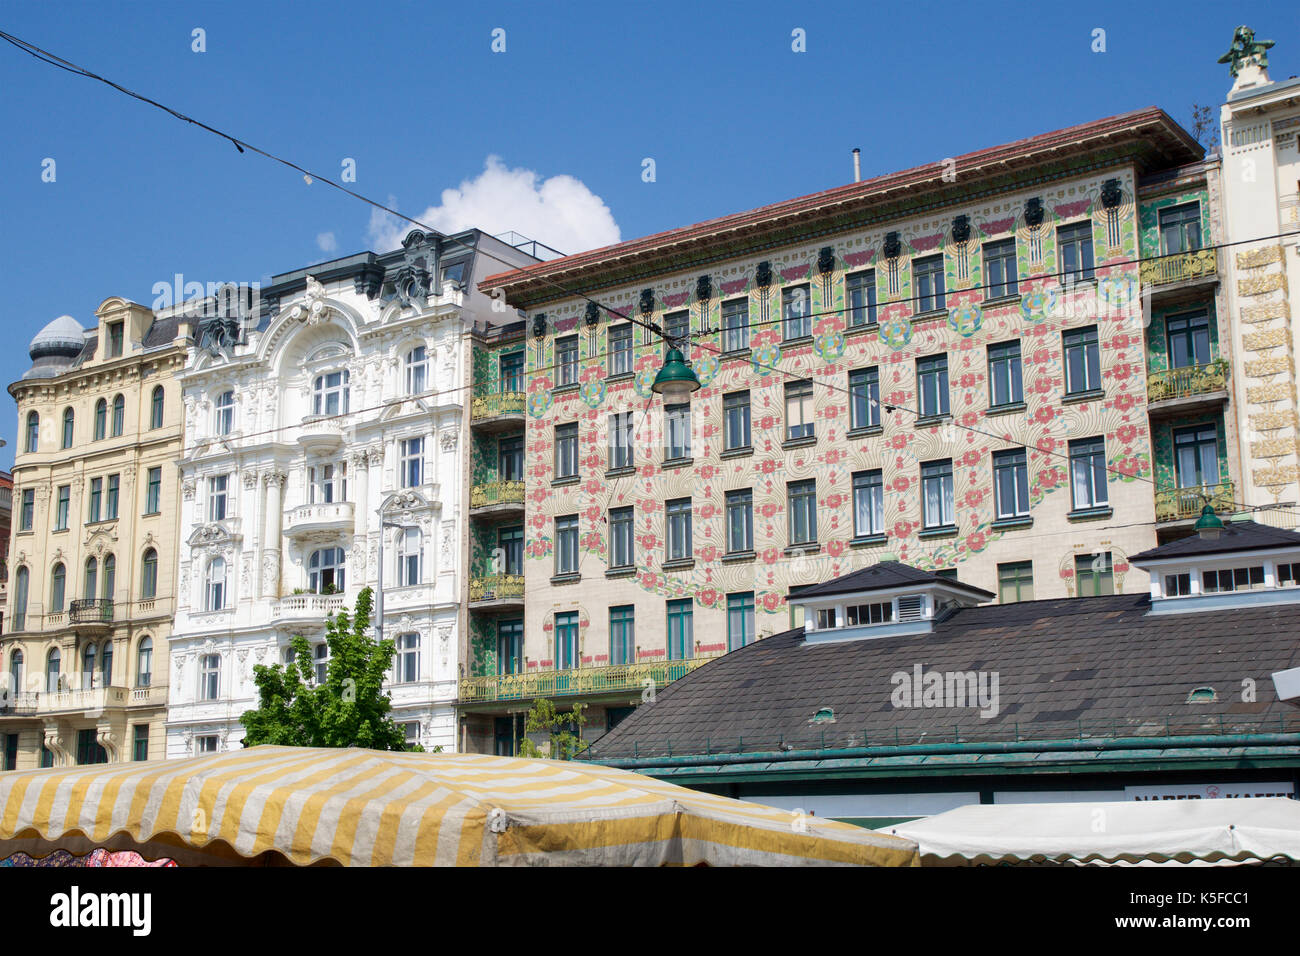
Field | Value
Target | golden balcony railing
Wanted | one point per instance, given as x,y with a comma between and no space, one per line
496,493
1188,381
1180,267
581,680
496,587
1177,504
496,404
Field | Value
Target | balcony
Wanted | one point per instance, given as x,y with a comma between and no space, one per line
1181,269
319,433
325,520
151,695
87,702
496,590
91,615
1184,389
495,496
1185,504
306,608
617,678
497,411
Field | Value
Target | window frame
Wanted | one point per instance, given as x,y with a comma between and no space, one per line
566,450
739,403
1006,373
798,323
678,530
857,282
566,361
864,398
801,511
933,387
739,501
870,482
1084,340
1093,451
997,254
938,471
622,538
566,544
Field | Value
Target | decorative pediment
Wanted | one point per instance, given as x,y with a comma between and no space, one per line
408,500
314,308
101,539
213,535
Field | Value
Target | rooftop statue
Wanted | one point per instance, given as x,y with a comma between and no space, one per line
1245,47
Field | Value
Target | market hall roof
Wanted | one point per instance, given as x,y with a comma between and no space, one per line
885,575
1235,536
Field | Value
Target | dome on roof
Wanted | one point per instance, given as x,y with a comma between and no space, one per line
63,336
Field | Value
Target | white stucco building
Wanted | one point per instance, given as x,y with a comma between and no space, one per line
336,409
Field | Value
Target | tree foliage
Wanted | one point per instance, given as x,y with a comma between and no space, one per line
563,729
1204,128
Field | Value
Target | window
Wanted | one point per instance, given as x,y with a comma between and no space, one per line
622,639
410,557
407,670
621,551
735,420
89,749
207,744
1082,361
510,647
327,571
1088,473
860,296
20,599
144,663
566,450
1196,456
799,409
455,273
115,339
864,398
322,663
156,407
802,500
330,393
209,676
932,382
678,515
417,370
512,372
94,501
62,506
856,615
620,440
16,673
677,331
796,311
1011,483
119,415
510,542
735,325
566,545
215,585
53,662
27,509
140,742
677,432
927,274
58,588
681,630
411,452
90,580
327,483
1180,585
566,640
566,360
1075,243
69,423
936,493
740,620
1189,339
740,521
33,432
153,491
1094,574
225,413
1015,582
510,458
868,504
106,663
110,501
1180,228
101,418
217,487
1000,269
1006,383
620,349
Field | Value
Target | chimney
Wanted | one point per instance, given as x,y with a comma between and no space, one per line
857,164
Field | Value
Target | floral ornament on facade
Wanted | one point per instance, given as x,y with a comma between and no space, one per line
829,346
1117,291
538,403
643,382
1037,305
896,332
593,393
706,369
965,319
765,357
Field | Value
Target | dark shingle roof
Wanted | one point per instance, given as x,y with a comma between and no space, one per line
161,332
1236,536
883,575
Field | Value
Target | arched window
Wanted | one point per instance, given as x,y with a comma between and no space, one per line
33,432
209,675
119,415
88,667
144,663
156,407
409,548
225,422
417,370
20,599
69,421
214,586
91,579
149,574
52,664
322,663
110,577
58,588
16,672
106,663
330,393
101,418
326,570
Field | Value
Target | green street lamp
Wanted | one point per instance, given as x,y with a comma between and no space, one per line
1209,525
675,381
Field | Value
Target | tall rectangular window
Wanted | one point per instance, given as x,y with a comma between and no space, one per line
927,277
802,501
937,494
620,349
740,620
510,646
681,630
566,641
620,440
1196,456
95,500
932,383
621,551
110,500
678,515
62,506
1180,228
1095,574
799,409
1011,483
566,545
566,360
512,372
1188,337
217,485
209,676
1088,473
677,330
1000,278
153,491
412,462
860,297
140,742
735,420
677,431
1075,244
868,503
566,450
27,509
735,325
864,398
1082,361
1015,582
510,541
510,458
622,634
1006,382
796,312
116,334
407,670
740,521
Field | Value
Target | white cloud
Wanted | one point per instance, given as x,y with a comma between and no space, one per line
561,211
327,242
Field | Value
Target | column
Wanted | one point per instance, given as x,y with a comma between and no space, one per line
274,483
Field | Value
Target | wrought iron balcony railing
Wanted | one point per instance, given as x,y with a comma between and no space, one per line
581,680
497,493
1188,381
495,404
90,611
1180,267
496,587
1178,504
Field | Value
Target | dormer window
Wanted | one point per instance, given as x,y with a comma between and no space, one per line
857,614
1232,579
115,339
1244,562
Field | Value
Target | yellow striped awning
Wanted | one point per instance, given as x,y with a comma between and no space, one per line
272,805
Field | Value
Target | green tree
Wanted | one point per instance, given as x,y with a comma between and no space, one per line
350,709
563,729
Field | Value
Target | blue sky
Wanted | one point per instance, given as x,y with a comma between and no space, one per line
712,91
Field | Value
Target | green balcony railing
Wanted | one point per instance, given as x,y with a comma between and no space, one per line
581,680
496,404
496,587
1180,267
496,493
1178,504
1188,381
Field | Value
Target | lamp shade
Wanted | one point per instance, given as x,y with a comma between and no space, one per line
675,381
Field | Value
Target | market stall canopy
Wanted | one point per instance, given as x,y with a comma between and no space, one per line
291,805
1230,830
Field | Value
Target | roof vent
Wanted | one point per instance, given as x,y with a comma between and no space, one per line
1202,695
824,716
909,608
